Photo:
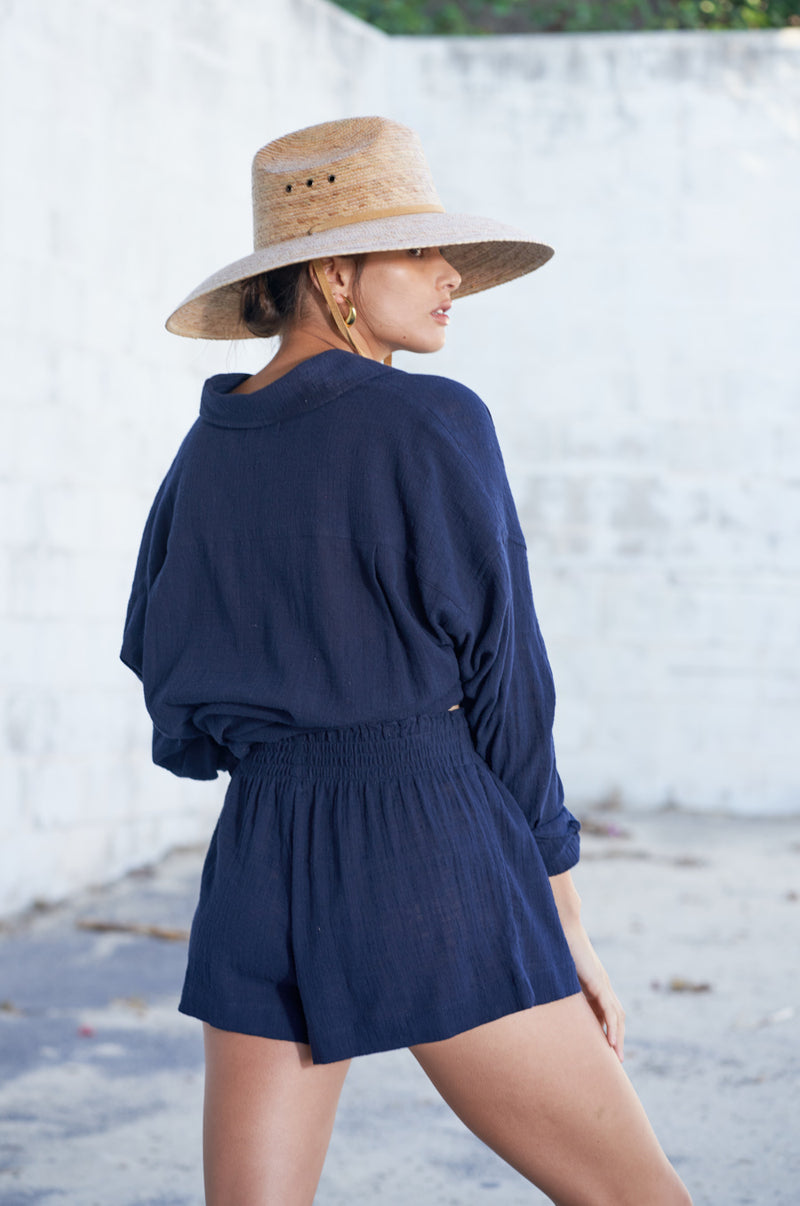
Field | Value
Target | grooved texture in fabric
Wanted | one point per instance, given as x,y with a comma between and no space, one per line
341,548
372,888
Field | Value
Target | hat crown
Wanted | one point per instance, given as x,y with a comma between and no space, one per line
338,173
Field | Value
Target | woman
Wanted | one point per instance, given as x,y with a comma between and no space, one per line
332,603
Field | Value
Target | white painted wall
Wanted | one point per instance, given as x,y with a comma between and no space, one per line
126,135
646,386
643,383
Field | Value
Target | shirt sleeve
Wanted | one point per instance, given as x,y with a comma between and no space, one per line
475,552
186,752
509,700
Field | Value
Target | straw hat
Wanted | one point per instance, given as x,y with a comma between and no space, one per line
342,188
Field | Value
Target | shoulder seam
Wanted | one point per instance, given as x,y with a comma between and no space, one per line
451,437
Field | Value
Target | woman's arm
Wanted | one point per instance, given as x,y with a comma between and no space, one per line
592,975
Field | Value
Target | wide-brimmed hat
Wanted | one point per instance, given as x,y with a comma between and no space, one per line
344,188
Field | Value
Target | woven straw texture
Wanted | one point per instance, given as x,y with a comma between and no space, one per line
344,188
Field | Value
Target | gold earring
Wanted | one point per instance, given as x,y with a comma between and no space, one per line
351,313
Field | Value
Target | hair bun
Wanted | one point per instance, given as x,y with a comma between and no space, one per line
271,299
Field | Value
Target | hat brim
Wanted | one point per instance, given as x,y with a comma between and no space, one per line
485,254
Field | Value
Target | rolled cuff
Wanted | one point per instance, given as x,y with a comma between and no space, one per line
193,758
559,843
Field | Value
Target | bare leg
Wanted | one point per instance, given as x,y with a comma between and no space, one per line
267,1122
546,1092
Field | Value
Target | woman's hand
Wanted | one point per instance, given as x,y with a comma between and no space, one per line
592,976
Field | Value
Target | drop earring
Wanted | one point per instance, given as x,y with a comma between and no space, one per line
351,315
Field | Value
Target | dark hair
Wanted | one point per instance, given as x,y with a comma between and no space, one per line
270,300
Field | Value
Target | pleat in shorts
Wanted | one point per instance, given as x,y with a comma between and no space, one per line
371,888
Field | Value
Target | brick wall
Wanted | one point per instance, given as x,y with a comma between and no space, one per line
126,147
646,386
644,383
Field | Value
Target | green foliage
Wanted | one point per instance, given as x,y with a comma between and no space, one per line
570,16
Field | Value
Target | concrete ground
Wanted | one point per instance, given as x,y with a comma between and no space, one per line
697,919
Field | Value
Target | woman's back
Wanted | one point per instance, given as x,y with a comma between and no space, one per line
314,553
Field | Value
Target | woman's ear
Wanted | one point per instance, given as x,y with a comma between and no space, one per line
314,267
340,271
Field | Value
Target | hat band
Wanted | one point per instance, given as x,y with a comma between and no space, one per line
370,215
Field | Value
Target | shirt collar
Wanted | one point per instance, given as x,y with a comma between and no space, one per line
309,385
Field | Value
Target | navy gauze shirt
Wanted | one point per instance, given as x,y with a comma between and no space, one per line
341,547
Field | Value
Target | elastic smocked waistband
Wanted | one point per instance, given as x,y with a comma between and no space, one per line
415,743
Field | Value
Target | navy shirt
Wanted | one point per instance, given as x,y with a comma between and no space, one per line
341,547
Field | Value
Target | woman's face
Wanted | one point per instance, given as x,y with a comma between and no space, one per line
403,300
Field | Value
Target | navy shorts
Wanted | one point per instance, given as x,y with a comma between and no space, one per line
371,888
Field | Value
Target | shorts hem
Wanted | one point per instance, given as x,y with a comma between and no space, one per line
559,982
257,1021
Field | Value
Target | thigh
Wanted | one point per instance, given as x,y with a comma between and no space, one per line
268,1117
546,1092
